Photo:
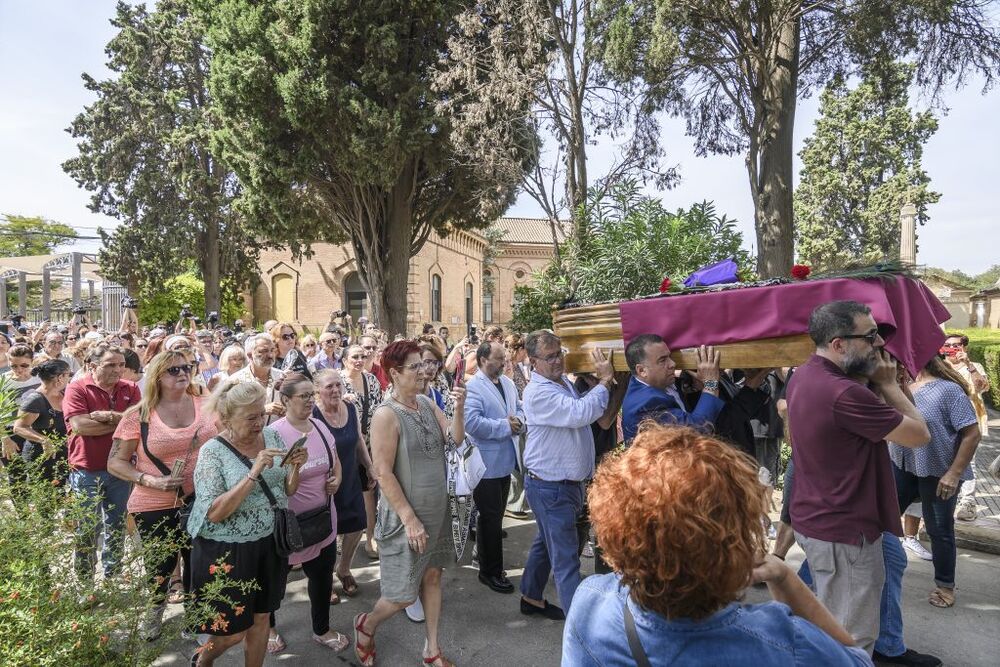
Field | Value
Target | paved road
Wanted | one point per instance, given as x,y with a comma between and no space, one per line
485,629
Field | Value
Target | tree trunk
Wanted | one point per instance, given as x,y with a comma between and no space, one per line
211,267
775,174
384,262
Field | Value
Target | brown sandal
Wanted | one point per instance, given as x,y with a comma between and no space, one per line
349,584
942,598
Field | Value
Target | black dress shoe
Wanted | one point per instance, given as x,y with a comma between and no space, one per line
910,658
499,584
549,611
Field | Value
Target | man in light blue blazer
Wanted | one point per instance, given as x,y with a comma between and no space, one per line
493,421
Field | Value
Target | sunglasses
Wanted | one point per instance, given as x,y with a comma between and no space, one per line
330,341
289,336
177,370
871,337
952,346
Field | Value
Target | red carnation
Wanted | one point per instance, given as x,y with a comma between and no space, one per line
665,285
800,271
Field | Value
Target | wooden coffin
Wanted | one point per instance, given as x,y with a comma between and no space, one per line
587,327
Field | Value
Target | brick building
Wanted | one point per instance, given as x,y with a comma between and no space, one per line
446,282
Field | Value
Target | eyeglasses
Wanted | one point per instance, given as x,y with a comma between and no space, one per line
871,336
328,341
177,370
553,358
306,395
289,336
413,367
431,363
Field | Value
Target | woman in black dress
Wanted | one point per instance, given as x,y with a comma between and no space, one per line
40,419
342,419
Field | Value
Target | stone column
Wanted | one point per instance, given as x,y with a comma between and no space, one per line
46,295
22,293
3,298
908,234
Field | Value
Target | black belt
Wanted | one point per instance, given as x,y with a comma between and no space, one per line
554,481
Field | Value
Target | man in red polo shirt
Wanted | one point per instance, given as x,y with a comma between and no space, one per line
844,489
93,406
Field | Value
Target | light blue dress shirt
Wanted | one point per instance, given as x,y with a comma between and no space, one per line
560,444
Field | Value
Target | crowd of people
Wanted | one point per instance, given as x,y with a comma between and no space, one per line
227,436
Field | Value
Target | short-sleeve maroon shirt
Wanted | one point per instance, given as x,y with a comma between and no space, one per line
90,452
844,488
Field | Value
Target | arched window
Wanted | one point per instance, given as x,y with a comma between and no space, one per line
355,297
469,303
488,289
435,298
283,297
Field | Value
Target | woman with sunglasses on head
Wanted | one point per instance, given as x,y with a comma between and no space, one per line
364,391
40,419
289,358
232,519
176,426
342,419
319,480
411,435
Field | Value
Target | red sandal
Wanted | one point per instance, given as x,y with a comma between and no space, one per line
365,654
440,656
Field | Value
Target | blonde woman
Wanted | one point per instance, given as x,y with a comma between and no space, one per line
232,360
168,426
232,519
309,346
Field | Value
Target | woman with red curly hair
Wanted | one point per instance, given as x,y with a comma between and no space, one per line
678,515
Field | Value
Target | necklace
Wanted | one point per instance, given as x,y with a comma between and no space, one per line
336,418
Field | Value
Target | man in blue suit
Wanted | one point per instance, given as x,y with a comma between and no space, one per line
651,393
493,420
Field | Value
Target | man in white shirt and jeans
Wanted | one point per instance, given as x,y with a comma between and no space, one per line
558,459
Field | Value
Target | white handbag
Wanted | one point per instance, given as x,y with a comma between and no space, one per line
465,469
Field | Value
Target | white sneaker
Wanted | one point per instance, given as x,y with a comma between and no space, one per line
967,510
415,612
914,545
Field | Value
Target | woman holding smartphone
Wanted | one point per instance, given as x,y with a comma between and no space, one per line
319,479
163,433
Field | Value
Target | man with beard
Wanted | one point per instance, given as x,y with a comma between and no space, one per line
844,489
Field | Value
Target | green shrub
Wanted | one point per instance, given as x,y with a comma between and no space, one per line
187,288
991,355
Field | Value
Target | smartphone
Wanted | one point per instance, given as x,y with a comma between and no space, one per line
298,444
459,372
178,469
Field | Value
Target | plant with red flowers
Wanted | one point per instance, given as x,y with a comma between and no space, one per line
665,286
801,271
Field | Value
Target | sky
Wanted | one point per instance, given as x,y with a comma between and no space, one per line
45,45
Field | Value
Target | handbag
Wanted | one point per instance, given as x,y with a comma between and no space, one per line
287,537
634,645
187,502
317,524
465,468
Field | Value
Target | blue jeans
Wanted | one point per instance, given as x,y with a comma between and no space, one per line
108,496
939,518
890,632
555,548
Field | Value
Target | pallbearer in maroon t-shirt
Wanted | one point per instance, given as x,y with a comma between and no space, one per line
844,496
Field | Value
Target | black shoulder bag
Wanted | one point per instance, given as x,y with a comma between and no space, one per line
287,538
638,654
187,502
317,524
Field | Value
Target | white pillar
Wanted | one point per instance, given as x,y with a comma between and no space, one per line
908,234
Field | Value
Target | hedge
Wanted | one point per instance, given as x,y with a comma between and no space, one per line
992,359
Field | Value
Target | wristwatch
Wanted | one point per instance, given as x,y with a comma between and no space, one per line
711,385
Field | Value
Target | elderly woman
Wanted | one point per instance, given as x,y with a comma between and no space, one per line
319,481
168,425
289,358
309,347
231,361
409,434
362,389
40,418
232,520
678,515
342,419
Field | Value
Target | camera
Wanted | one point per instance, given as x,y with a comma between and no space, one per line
130,303
213,318
79,310
238,326
339,313
186,311
473,338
